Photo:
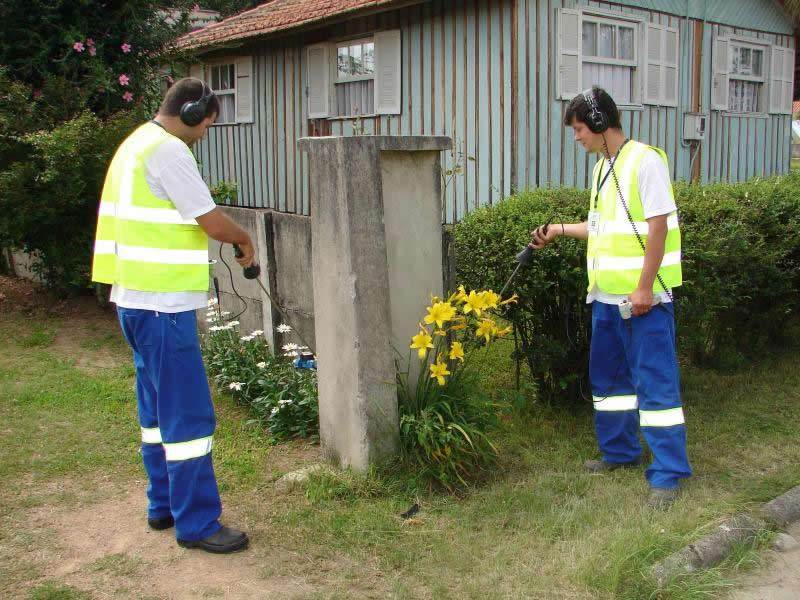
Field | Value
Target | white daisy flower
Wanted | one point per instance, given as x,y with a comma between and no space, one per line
212,301
274,410
256,332
292,353
283,328
261,365
233,323
235,385
216,328
225,313
247,338
289,347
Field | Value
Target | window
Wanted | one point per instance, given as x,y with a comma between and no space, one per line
746,78
355,77
634,61
231,79
609,57
750,76
223,82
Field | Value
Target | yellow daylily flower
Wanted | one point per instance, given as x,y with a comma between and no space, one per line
439,313
490,298
513,298
439,332
439,370
459,296
422,341
457,351
474,302
487,328
502,332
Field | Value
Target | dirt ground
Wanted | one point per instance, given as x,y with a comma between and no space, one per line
104,547
777,580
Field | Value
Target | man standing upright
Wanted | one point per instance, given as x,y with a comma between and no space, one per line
633,261
155,216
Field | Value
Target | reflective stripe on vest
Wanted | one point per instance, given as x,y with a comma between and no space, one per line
615,403
614,256
661,418
188,450
151,435
142,242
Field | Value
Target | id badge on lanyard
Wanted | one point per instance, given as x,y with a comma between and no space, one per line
593,221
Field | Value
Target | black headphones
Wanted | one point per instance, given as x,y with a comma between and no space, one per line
597,120
193,113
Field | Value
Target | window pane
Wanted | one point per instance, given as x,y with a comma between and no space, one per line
605,42
355,55
589,39
224,82
743,95
617,80
227,106
342,62
355,98
369,58
758,59
232,76
626,43
744,61
214,78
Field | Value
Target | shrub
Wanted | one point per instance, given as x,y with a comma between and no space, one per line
741,253
444,420
551,319
281,398
48,202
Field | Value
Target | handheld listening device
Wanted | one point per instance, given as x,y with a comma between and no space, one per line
193,113
597,120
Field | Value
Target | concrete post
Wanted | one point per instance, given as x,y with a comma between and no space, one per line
376,259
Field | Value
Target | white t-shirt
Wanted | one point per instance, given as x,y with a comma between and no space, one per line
654,185
171,172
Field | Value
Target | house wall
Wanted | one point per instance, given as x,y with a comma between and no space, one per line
484,73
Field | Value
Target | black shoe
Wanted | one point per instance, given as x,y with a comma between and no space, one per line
222,542
603,466
162,523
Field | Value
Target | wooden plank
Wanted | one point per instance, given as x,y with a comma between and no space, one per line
289,129
508,99
280,126
555,130
416,99
484,85
448,103
495,107
405,113
426,71
467,100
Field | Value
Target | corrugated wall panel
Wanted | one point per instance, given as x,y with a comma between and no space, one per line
483,72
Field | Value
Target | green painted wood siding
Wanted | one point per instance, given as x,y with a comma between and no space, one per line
483,72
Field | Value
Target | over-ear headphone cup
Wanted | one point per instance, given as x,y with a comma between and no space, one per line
192,113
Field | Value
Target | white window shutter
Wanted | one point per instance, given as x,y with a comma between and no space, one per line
788,82
776,77
569,54
388,89
719,76
654,46
196,71
669,67
244,89
318,70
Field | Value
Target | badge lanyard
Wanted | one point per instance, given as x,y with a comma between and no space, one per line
594,216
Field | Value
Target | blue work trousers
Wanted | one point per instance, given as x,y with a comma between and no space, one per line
177,419
633,369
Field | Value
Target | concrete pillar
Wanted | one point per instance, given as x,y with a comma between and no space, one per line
376,259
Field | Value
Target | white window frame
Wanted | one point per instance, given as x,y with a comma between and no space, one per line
219,93
735,41
346,44
639,63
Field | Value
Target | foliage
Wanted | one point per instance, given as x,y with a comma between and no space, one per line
282,399
48,202
225,193
96,51
741,259
443,418
551,319
227,8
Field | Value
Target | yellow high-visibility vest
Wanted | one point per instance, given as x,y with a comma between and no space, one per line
614,257
142,242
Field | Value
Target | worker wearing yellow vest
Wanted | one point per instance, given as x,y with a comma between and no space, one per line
155,217
633,260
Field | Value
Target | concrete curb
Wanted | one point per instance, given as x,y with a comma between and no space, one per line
711,549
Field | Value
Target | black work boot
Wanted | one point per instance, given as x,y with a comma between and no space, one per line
603,466
161,523
222,542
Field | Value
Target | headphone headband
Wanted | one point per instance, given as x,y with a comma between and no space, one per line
597,120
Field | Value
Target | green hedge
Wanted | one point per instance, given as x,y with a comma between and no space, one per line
741,254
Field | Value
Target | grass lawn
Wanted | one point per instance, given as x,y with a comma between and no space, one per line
539,528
